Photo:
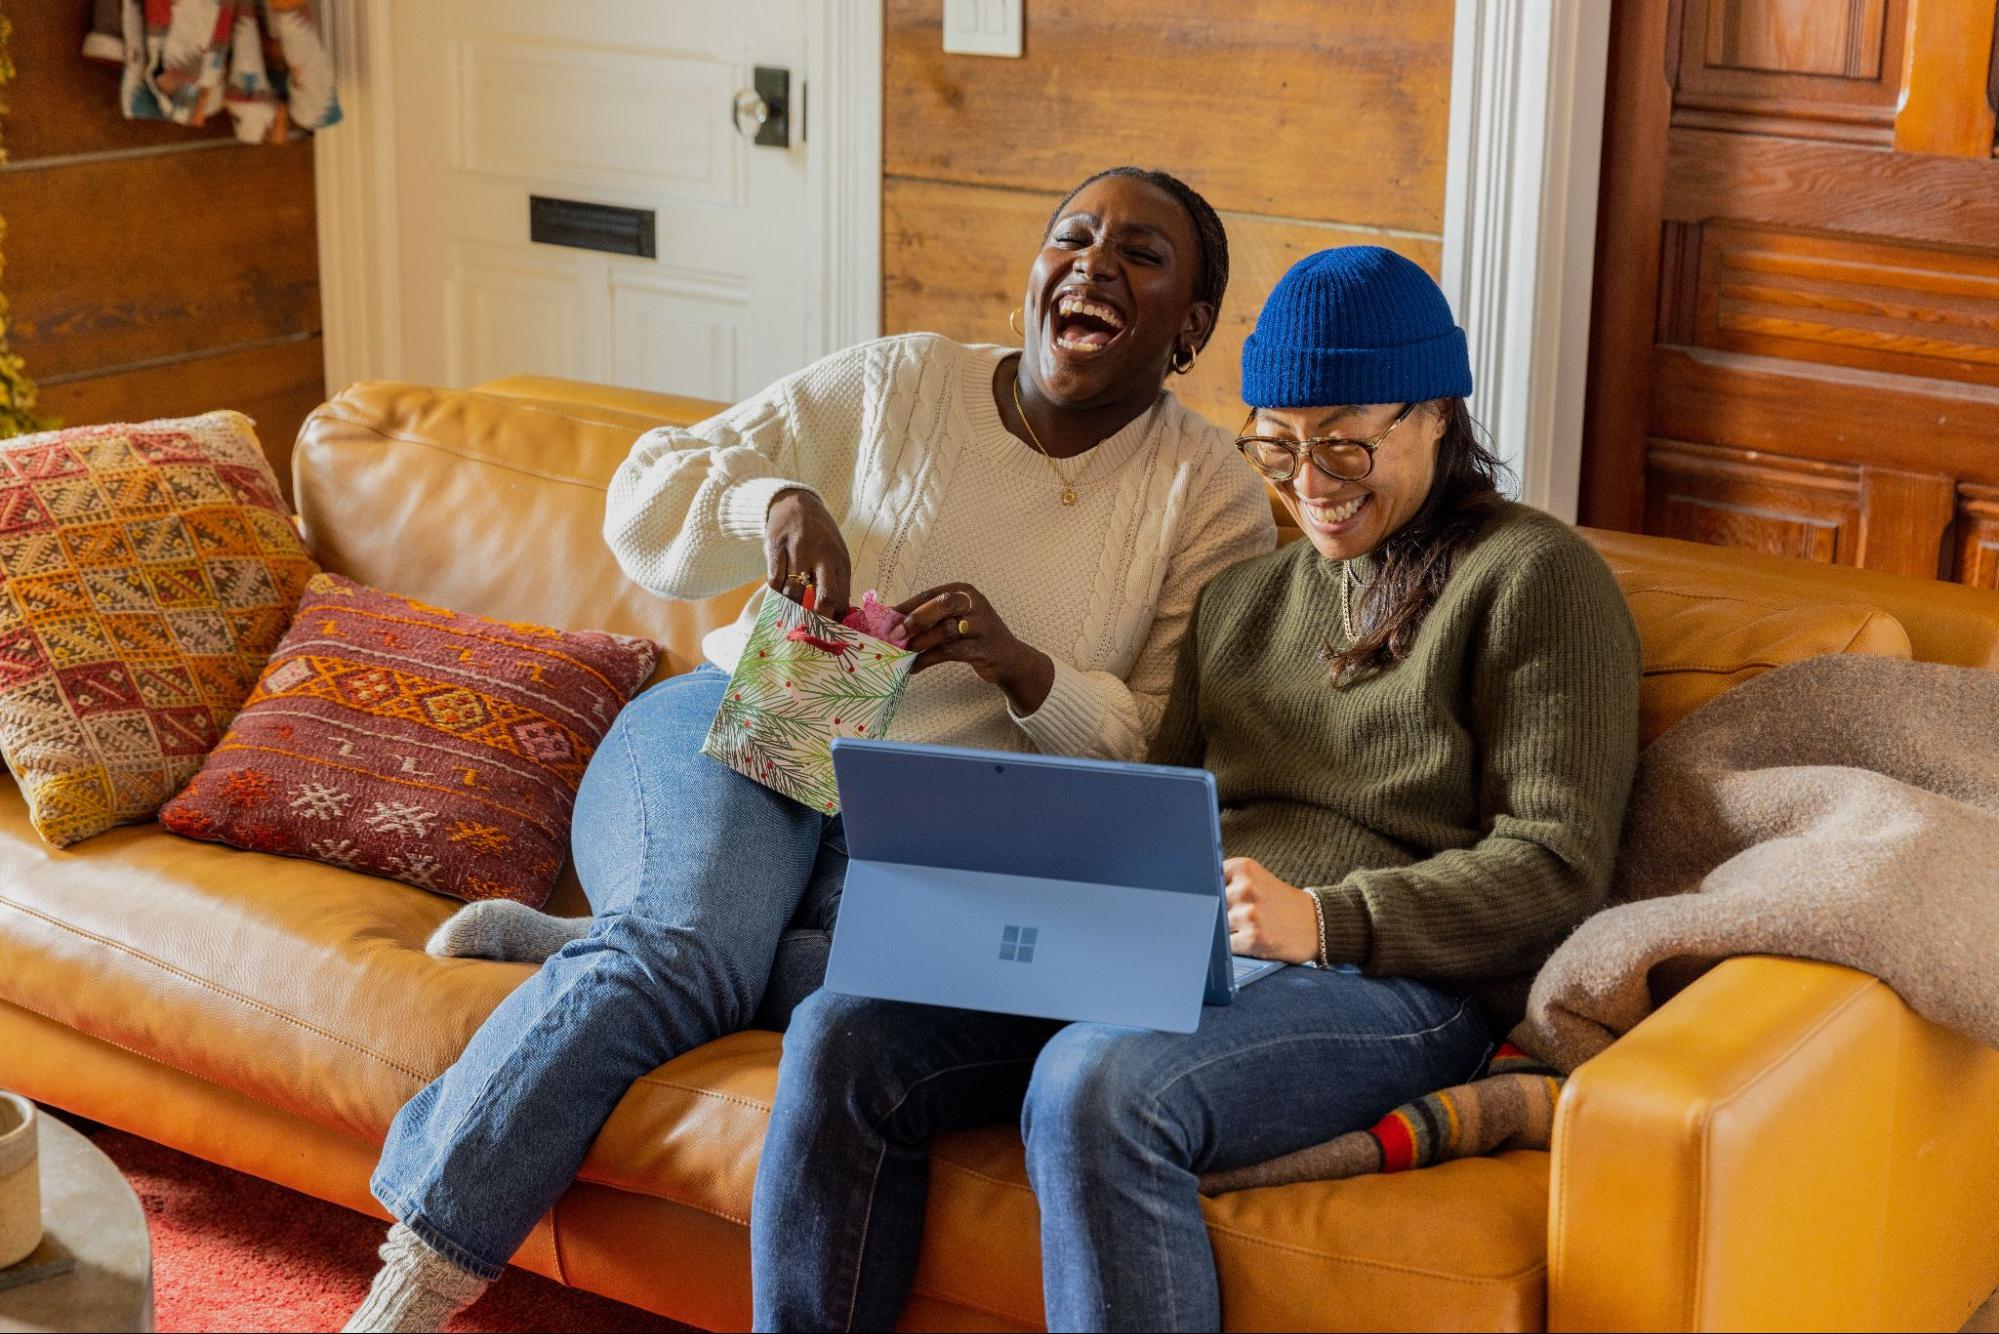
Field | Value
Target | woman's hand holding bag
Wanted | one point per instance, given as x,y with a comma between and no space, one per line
805,550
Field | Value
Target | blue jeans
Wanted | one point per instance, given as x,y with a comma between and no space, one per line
699,879
1119,1123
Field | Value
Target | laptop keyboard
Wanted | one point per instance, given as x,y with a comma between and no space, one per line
1244,967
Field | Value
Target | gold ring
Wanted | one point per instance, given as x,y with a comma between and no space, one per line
797,578
964,628
969,604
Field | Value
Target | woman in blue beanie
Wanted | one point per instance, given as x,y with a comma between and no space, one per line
1422,722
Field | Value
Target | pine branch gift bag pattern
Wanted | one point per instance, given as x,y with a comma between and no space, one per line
803,680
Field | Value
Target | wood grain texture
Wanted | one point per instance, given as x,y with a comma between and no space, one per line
1797,36
1837,514
1977,564
1293,108
1950,67
1903,519
275,384
1679,282
128,259
1819,319
1912,310
1700,493
1829,413
61,103
957,257
1831,187
1816,69
1626,285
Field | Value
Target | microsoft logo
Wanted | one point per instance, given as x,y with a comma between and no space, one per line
1017,943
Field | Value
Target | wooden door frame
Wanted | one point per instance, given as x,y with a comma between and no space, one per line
354,171
1638,101
1520,225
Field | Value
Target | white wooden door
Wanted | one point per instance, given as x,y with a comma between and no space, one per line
619,102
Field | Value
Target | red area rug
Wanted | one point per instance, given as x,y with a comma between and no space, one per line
234,1252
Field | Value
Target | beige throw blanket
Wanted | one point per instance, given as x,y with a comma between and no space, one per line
1845,809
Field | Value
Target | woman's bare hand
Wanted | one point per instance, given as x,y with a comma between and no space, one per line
1268,919
955,623
804,548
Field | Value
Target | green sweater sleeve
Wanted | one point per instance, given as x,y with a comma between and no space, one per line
1178,740
1554,705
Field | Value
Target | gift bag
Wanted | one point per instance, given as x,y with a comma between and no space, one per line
803,680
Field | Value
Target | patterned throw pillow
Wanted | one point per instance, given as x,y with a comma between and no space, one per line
412,742
145,573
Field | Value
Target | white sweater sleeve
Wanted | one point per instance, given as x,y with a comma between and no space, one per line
684,513
1097,714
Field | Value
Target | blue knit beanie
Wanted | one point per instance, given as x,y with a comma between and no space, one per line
1354,325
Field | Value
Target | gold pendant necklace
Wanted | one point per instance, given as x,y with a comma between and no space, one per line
1068,483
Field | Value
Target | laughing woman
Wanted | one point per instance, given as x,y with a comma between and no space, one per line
1060,512
1422,723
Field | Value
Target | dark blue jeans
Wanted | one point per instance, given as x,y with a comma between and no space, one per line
1118,1123
713,898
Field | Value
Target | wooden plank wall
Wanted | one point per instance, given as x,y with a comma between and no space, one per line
1307,123
154,270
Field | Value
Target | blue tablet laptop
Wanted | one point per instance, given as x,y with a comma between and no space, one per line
1032,884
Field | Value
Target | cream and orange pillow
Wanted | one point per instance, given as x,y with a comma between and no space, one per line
146,572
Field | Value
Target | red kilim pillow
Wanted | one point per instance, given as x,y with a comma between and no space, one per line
407,741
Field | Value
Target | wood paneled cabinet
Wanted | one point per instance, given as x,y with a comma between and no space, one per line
1795,333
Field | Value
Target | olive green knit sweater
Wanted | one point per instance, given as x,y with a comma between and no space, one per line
1456,814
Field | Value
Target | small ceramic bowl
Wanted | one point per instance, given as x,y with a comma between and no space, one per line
20,1181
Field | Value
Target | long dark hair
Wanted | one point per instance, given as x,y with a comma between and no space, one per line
1416,561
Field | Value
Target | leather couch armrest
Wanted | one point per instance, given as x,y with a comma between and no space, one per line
1778,1147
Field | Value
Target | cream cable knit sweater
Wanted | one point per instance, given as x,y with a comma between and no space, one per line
902,440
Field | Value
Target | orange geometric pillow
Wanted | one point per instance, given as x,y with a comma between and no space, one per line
409,741
146,572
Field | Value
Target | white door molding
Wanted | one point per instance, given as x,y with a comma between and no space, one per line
360,281
355,176
1520,196
844,126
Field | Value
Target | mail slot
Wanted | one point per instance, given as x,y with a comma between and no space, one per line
571,222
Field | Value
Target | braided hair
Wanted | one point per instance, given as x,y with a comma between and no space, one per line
1211,279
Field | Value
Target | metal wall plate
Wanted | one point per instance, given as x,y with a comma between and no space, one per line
773,85
571,222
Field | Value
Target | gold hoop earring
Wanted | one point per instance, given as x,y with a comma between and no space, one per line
1193,355
1013,322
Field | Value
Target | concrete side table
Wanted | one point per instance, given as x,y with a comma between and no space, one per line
89,1210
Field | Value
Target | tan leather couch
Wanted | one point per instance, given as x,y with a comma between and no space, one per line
1784,1145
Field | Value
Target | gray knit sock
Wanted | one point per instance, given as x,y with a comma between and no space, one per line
503,929
416,1291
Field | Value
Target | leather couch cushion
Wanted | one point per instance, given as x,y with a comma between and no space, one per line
305,987
591,400
1701,633
484,504
1944,622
